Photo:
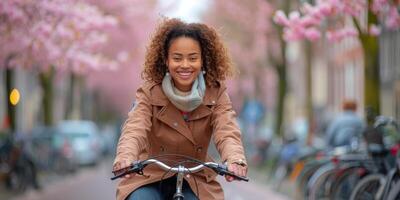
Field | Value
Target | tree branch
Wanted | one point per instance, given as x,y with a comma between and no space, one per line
357,25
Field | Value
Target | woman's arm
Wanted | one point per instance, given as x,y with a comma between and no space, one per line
133,138
226,132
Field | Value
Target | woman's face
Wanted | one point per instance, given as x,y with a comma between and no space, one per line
184,62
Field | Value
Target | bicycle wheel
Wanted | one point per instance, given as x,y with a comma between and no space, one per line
305,175
321,182
344,183
368,187
394,193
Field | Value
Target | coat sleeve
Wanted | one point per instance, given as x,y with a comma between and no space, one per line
227,136
133,137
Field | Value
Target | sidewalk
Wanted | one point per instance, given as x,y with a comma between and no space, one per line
287,189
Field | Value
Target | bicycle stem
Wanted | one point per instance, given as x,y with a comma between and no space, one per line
179,182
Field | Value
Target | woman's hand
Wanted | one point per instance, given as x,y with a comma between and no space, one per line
237,169
120,165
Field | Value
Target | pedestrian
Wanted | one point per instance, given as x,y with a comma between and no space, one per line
345,127
181,105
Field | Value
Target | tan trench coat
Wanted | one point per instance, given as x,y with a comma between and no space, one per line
155,126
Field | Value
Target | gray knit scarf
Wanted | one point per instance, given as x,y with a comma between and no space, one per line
185,103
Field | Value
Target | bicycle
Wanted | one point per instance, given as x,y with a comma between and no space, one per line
181,170
379,185
17,168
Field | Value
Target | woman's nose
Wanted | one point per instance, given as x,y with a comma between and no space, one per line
185,63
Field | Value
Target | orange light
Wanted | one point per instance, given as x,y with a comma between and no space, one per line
14,96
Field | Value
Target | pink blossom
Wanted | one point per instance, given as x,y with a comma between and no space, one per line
309,21
294,16
338,35
378,6
325,9
393,19
307,8
280,18
374,30
291,36
312,34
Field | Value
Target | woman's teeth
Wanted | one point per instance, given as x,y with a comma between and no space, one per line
185,75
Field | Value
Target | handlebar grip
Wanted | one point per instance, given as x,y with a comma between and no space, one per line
242,178
119,176
223,170
135,168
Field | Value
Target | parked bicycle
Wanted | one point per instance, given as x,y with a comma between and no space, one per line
17,168
368,171
379,184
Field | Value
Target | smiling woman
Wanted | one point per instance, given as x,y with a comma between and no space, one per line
180,107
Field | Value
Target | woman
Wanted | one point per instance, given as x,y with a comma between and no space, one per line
180,107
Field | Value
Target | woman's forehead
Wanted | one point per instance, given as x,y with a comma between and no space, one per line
185,45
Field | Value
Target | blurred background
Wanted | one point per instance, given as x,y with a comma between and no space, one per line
69,70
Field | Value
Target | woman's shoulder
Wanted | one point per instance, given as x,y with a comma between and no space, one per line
218,86
154,92
215,91
147,86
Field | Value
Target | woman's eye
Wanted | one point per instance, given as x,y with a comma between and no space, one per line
193,59
177,59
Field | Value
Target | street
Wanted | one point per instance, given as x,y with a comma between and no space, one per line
94,183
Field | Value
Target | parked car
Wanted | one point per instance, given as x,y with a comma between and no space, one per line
108,140
52,150
84,139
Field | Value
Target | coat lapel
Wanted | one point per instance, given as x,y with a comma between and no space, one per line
200,112
171,116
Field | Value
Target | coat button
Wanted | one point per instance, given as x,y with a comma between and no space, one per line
187,175
213,102
175,124
199,149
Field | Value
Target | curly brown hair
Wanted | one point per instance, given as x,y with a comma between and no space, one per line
216,61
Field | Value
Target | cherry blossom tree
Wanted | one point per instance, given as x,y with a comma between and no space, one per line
49,36
127,44
368,17
257,46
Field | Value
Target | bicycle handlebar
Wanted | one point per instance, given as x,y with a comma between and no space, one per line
139,166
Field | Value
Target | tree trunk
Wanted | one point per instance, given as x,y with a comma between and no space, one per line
46,82
70,97
282,75
371,73
309,92
282,90
370,46
11,109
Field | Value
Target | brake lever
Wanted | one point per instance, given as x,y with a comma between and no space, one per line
134,168
223,170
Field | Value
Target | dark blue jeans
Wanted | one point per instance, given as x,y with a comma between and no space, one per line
162,190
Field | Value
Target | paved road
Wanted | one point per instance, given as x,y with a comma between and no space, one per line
92,183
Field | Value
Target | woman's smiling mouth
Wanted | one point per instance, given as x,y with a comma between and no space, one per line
184,75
